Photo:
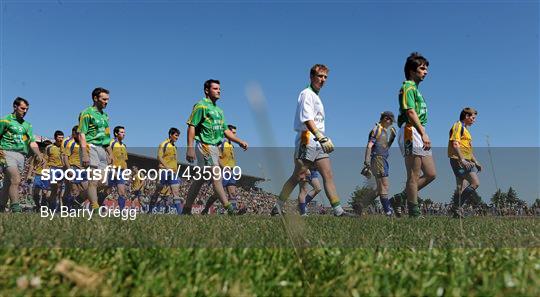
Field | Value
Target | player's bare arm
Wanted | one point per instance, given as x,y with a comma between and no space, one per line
236,139
35,149
368,153
110,155
462,161
190,152
84,153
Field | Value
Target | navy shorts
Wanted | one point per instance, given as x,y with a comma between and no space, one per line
116,178
167,177
41,183
314,175
379,166
231,181
461,171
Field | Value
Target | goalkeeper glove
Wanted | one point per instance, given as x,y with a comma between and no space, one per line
366,171
325,142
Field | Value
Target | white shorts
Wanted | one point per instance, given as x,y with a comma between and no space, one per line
207,154
98,156
13,159
307,148
410,142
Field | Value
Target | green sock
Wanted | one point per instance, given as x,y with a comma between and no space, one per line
230,208
15,207
414,210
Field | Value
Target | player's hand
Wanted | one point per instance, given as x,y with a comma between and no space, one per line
426,141
39,159
326,144
243,145
478,166
465,164
366,171
190,154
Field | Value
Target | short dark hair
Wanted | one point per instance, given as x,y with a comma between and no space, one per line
173,130
19,100
99,90
467,111
414,61
75,128
231,127
317,67
58,133
209,82
116,129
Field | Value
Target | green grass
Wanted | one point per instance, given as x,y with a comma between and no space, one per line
251,255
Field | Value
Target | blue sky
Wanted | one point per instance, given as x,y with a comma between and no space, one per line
154,57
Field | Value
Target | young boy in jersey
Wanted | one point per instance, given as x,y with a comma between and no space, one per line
305,196
380,140
41,187
53,155
462,159
413,139
137,187
72,159
119,162
168,170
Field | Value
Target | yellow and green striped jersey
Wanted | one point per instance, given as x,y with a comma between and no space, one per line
209,122
410,98
15,135
95,126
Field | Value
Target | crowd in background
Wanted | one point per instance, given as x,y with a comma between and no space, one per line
445,209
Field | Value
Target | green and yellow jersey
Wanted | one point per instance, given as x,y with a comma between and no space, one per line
95,126
15,135
410,98
209,122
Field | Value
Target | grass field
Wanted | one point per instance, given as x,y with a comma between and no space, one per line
252,255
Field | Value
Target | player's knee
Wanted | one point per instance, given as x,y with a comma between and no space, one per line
317,191
412,180
299,176
15,181
431,176
413,177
